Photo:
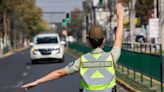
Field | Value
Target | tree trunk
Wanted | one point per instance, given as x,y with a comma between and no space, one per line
132,18
8,33
4,29
161,19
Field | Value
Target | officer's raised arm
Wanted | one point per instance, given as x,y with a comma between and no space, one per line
119,30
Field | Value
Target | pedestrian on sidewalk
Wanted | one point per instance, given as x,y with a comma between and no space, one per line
96,67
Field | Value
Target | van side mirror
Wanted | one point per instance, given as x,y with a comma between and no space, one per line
63,42
31,43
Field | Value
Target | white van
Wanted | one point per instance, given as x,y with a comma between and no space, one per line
47,46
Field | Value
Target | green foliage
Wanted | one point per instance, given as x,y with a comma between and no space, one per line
39,28
126,3
143,8
24,16
75,26
1,8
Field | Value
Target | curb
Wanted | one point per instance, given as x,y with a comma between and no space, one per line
12,52
126,86
119,81
7,54
21,49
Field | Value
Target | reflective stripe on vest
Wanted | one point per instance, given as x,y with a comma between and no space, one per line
108,77
105,90
103,76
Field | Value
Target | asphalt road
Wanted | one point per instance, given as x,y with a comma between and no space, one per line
16,70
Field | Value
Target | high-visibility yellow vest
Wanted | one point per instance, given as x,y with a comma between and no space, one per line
97,72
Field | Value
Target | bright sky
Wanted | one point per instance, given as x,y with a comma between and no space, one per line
57,6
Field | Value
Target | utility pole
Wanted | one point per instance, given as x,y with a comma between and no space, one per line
155,8
132,17
84,32
85,20
94,14
4,29
161,27
111,6
94,9
14,32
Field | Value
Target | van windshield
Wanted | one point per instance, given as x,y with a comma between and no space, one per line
46,40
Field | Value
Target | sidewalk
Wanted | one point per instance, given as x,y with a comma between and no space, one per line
12,52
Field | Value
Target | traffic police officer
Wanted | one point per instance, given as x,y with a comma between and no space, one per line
96,67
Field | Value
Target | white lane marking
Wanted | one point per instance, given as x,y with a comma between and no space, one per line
19,84
28,67
24,74
22,53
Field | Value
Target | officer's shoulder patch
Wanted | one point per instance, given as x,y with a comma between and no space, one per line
71,64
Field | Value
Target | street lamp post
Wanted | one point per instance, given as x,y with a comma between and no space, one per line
161,26
111,7
94,14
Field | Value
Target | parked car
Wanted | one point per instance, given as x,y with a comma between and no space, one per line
47,46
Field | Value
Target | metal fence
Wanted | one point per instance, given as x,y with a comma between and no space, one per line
143,48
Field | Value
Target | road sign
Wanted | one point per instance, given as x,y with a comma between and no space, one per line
153,27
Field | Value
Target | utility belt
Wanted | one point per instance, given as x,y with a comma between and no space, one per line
114,89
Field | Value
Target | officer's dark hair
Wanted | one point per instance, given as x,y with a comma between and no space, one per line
95,42
95,36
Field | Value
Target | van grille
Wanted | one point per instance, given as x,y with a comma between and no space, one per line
45,51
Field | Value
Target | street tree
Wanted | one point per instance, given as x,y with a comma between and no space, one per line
142,9
76,26
20,19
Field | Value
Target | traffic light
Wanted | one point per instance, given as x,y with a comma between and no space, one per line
101,3
67,17
64,23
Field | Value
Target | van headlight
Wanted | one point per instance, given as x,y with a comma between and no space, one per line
56,50
34,51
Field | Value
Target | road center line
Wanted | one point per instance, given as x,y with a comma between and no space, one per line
28,67
25,74
19,84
